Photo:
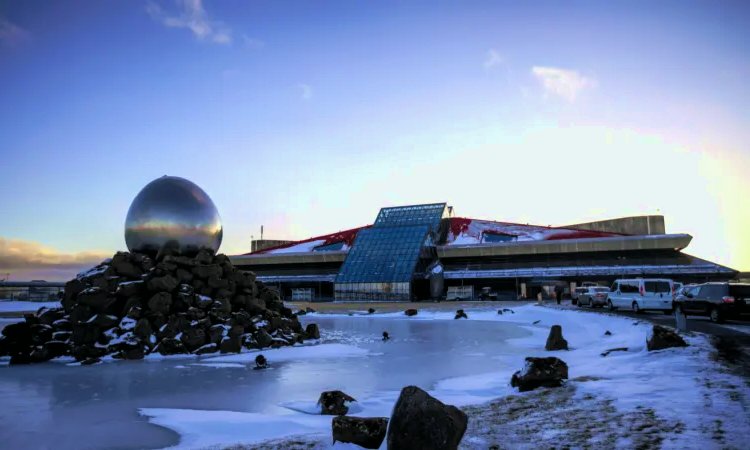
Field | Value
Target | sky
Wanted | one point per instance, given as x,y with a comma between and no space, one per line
307,117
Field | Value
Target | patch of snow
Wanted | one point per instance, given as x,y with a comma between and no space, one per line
127,323
91,290
128,338
162,328
111,333
179,336
92,272
204,298
25,306
125,283
261,324
221,365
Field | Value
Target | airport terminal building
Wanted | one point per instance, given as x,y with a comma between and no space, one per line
396,257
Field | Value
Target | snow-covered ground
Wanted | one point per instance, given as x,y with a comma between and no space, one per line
741,328
678,398
21,306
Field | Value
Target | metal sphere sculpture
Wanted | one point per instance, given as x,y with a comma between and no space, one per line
173,212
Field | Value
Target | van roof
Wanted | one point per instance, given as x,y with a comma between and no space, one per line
644,279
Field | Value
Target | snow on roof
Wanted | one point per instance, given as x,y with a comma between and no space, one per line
302,247
465,231
308,245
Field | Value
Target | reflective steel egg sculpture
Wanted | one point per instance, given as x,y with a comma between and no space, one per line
173,211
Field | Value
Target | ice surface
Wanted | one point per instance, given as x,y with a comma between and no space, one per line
294,354
24,306
740,328
221,365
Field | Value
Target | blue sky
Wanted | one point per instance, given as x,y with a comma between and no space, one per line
307,117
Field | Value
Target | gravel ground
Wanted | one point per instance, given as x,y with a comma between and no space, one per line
545,418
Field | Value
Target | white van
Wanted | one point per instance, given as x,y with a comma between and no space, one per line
642,294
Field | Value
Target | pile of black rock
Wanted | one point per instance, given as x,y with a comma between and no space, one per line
132,305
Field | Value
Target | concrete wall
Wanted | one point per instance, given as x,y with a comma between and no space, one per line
638,225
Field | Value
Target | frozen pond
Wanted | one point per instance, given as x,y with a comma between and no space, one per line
54,406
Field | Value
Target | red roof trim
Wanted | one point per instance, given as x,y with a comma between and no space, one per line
457,226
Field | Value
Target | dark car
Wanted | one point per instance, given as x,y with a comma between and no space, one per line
718,301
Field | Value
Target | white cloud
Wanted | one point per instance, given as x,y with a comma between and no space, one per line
11,34
252,42
492,59
567,84
25,260
306,91
192,16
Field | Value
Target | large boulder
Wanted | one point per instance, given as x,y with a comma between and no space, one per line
160,303
263,339
366,432
312,331
422,422
231,344
334,403
540,372
662,337
411,312
94,297
555,340
167,283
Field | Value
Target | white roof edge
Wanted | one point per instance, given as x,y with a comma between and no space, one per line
277,255
571,241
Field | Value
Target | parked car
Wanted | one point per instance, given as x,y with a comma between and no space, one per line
487,294
718,301
576,294
593,296
676,288
642,294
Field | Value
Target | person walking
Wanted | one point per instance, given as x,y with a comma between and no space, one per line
558,294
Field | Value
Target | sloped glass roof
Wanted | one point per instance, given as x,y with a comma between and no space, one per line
383,255
411,215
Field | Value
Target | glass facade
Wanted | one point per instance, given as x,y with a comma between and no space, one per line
372,291
411,215
382,260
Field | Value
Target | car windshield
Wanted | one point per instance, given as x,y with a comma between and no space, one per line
657,287
602,289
